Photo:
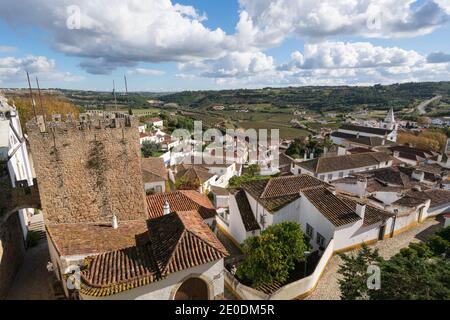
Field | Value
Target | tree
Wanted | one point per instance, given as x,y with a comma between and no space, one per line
410,275
184,183
151,149
353,284
273,255
418,272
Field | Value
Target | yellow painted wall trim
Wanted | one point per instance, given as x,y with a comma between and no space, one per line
234,293
229,236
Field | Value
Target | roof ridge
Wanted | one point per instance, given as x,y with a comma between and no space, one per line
263,194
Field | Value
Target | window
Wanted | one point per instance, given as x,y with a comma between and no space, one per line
309,231
341,174
158,189
320,240
330,176
322,177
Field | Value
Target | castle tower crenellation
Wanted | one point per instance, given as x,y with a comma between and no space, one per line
88,169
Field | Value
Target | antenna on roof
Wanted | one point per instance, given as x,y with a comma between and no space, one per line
114,94
33,103
130,112
40,97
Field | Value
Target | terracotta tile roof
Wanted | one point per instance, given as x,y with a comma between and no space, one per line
378,131
438,197
153,170
359,150
245,210
412,153
273,194
373,214
177,242
93,238
220,191
361,140
182,241
184,200
152,120
331,206
346,162
193,172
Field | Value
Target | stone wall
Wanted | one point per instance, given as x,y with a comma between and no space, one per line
89,170
12,251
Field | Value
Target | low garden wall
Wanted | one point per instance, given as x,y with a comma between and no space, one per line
290,291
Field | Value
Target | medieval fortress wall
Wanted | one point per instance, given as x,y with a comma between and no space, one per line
88,169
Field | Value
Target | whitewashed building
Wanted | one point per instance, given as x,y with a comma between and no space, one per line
337,167
322,213
14,152
173,257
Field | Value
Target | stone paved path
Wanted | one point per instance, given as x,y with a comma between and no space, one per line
33,281
328,287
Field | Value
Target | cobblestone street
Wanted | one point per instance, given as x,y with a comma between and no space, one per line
33,281
328,287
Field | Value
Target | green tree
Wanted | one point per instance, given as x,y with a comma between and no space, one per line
412,276
353,284
184,183
273,255
418,272
151,149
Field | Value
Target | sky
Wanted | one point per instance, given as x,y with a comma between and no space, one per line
169,45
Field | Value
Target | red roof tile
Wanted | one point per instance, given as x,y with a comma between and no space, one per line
184,200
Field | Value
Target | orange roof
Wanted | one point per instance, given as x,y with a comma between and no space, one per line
185,200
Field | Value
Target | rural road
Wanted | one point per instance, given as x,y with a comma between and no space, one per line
425,104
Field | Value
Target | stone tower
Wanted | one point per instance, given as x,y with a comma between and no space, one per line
88,170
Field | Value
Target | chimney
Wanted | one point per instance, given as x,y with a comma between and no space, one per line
305,156
383,142
418,175
166,208
361,210
361,184
439,159
114,222
311,155
396,154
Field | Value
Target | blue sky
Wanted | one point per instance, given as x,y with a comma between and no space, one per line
164,45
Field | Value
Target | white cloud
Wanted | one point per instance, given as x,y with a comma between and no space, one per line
336,55
339,63
238,65
267,23
444,4
7,49
147,72
120,33
13,69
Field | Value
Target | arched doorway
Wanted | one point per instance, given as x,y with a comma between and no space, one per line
192,289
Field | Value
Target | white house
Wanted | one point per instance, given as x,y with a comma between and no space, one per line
368,135
322,213
154,175
154,123
14,151
337,167
173,257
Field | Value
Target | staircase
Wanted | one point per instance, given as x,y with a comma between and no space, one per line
37,226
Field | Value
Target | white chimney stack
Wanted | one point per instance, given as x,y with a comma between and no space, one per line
418,175
166,208
115,223
361,210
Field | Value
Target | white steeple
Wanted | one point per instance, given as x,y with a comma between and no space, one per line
390,118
